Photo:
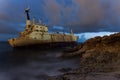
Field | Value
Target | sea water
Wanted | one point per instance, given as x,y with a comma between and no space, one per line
32,64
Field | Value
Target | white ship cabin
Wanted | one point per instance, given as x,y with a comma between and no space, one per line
32,26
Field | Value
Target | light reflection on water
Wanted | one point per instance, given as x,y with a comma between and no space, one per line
31,64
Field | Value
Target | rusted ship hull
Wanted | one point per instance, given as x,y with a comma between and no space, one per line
41,44
30,43
47,45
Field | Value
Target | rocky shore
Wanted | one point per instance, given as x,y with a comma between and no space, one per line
99,60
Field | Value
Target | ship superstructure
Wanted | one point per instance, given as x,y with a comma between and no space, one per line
37,35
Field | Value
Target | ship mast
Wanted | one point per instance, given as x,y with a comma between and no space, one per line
27,10
27,13
28,22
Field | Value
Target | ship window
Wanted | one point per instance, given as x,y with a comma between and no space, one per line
37,30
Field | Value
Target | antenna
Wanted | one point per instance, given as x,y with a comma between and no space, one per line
40,21
33,20
71,31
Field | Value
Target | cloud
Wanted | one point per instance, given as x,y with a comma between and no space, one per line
80,15
84,15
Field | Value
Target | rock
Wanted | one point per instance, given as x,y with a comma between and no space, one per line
101,53
97,55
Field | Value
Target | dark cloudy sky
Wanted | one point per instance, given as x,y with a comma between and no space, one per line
80,15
